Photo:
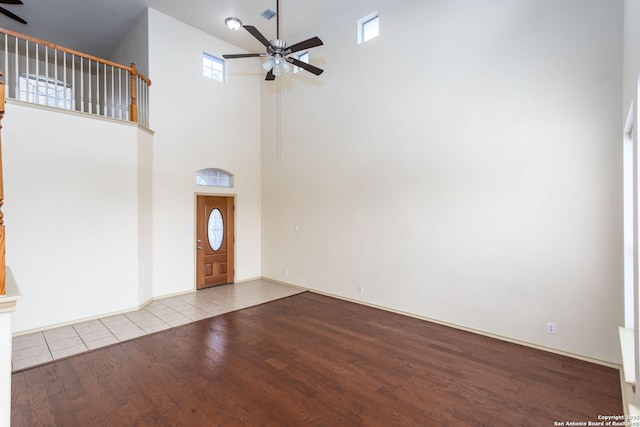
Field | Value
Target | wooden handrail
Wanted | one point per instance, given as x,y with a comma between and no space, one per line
132,70
137,87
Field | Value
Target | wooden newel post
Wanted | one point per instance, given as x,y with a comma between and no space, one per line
3,274
133,107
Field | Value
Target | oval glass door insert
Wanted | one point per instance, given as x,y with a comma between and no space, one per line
215,229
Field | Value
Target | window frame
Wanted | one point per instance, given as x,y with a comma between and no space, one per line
362,23
214,177
43,90
299,57
213,71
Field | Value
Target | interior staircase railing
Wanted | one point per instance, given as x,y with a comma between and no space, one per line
43,73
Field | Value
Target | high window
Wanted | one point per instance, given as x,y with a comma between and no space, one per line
212,67
213,177
368,27
304,57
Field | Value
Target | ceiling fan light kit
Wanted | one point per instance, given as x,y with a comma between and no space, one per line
276,65
278,51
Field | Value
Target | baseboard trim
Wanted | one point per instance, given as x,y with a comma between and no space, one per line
101,316
460,327
74,322
115,313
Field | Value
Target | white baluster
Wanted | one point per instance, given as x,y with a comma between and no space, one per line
64,78
37,74
120,93
6,65
55,77
26,80
46,75
16,77
90,94
105,110
127,96
73,82
97,88
145,103
82,84
113,88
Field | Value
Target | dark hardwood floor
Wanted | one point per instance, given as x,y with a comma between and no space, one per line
313,360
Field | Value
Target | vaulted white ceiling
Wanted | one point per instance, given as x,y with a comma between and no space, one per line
97,26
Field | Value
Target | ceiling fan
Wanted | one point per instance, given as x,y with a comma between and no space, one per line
278,51
10,14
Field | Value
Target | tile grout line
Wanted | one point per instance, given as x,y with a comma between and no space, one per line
152,314
46,341
86,342
79,336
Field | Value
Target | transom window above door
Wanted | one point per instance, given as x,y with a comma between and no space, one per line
214,177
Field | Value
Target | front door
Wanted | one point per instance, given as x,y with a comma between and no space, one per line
214,241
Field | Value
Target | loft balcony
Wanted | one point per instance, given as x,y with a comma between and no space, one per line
39,72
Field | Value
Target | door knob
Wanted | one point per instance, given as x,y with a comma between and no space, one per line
199,247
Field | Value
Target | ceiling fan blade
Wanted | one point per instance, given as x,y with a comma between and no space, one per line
270,75
310,68
12,15
243,55
307,44
257,34
11,1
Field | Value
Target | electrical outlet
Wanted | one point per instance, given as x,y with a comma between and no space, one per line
360,289
551,328
286,273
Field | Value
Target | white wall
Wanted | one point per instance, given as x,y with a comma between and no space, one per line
631,67
465,166
145,215
71,214
200,123
134,47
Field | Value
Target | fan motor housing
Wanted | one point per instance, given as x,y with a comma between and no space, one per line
277,46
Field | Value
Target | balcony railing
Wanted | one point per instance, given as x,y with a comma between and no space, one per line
43,73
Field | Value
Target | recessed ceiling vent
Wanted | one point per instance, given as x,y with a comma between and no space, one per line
268,14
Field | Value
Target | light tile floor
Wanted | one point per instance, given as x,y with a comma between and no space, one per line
41,347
